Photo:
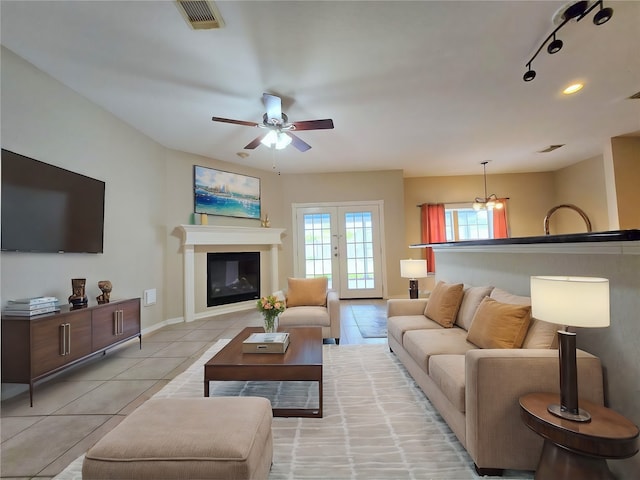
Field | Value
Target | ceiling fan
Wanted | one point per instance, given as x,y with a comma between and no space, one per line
279,129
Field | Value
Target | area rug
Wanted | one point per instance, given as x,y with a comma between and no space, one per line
377,423
370,320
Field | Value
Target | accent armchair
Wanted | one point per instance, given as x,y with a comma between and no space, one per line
310,303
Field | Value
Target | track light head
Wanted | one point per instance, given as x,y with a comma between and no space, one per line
555,46
603,16
529,75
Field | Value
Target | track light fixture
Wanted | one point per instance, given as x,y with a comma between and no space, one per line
574,11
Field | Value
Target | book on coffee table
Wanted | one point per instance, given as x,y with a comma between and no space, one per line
266,343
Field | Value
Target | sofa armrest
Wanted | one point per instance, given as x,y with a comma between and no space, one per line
406,306
333,306
495,379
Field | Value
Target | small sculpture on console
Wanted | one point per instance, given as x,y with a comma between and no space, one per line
78,299
105,286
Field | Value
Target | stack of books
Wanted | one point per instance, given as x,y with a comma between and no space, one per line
266,343
28,307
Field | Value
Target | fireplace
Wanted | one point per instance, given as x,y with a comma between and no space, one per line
232,277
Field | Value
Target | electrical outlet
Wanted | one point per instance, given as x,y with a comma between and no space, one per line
149,297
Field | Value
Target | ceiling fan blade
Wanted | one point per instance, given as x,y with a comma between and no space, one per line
298,142
313,124
236,122
255,142
273,105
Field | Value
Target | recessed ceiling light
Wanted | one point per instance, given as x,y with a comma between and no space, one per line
573,88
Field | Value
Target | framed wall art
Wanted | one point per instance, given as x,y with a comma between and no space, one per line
216,192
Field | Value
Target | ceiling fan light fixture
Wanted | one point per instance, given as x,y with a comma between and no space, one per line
276,139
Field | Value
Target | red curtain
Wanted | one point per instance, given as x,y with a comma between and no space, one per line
433,230
500,222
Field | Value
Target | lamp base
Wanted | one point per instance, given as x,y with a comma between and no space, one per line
413,288
581,416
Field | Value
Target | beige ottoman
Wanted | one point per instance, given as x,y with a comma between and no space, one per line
188,438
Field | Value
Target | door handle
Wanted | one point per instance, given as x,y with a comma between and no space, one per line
63,340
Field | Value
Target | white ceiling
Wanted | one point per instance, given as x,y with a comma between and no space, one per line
432,88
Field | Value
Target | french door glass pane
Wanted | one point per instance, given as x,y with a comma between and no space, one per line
317,235
359,234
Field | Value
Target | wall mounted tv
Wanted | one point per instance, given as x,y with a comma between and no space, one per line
49,209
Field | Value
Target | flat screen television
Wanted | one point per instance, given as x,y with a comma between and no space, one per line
49,209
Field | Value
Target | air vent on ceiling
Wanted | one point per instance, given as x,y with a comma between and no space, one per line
551,148
200,14
635,96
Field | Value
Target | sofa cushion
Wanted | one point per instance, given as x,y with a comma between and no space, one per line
444,302
397,326
447,371
499,325
541,334
470,300
506,297
307,292
422,344
304,316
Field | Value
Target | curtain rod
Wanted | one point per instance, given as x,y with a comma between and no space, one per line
450,203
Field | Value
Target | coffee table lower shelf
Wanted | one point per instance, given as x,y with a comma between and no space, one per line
301,362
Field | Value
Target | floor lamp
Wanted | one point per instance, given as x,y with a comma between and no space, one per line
576,302
413,269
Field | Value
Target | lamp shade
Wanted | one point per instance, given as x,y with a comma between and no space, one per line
413,268
571,301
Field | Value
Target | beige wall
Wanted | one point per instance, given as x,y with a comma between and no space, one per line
526,192
348,187
582,185
626,164
45,120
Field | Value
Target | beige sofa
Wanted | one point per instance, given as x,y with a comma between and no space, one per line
476,390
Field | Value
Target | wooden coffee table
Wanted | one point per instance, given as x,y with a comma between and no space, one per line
301,362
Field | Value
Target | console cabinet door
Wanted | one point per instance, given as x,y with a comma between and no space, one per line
112,323
59,340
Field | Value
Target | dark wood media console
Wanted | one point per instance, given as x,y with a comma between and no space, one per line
36,347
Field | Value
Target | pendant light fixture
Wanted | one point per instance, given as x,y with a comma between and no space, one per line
489,202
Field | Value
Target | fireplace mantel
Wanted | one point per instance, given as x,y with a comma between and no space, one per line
211,235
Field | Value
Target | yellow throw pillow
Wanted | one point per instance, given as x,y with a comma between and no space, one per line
499,325
307,292
444,302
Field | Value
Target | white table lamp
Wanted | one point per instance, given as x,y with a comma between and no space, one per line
575,302
413,269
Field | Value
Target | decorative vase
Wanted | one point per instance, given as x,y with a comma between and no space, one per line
78,297
105,287
270,324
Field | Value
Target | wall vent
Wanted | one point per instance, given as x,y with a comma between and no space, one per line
200,14
635,96
551,148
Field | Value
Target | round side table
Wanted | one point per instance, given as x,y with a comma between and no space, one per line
578,449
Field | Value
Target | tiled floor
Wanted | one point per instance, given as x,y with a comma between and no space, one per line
74,409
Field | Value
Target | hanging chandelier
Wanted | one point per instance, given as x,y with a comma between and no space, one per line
489,202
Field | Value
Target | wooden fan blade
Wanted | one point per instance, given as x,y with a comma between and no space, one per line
298,142
313,124
273,105
255,142
236,122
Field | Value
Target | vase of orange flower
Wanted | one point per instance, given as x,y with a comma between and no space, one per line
270,307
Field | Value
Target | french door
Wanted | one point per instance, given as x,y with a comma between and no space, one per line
342,242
